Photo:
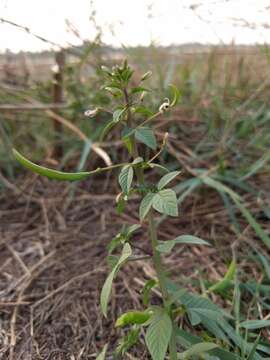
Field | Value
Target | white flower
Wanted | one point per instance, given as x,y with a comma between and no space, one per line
164,106
91,113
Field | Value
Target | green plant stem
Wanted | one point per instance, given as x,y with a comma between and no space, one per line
161,278
149,119
152,230
156,255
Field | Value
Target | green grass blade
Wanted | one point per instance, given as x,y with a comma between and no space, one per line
257,165
253,223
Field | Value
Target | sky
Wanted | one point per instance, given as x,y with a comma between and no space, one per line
133,22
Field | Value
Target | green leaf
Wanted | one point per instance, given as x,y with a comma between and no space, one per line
117,115
146,136
265,263
125,178
190,239
121,204
113,85
237,339
203,310
176,95
158,334
146,290
225,283
257,165
85,153
112,260
143,110
231,211
128,341
139,89
127,132
185,339
113,91
166,179
106,70
115,242
129,145
167,246
254,324
132,228
200,308
198,349
107,287
220,187
116,118
106,130
254,348
49,173
106,291
137,161
253,223
126,138
145,205
102,355
122,237
165,202
237,199
155,165
265,349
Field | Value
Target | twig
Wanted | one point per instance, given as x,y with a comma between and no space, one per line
41,38
27,107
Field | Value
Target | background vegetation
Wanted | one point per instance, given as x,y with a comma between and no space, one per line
54,236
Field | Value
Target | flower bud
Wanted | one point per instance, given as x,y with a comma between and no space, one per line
142,95
146,75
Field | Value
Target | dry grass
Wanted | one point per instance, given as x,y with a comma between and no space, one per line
54,236
53,265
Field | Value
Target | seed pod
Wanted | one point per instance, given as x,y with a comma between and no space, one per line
133,317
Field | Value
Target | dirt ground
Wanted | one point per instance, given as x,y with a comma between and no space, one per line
53,241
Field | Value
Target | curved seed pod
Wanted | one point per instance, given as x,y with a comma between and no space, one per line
49,173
